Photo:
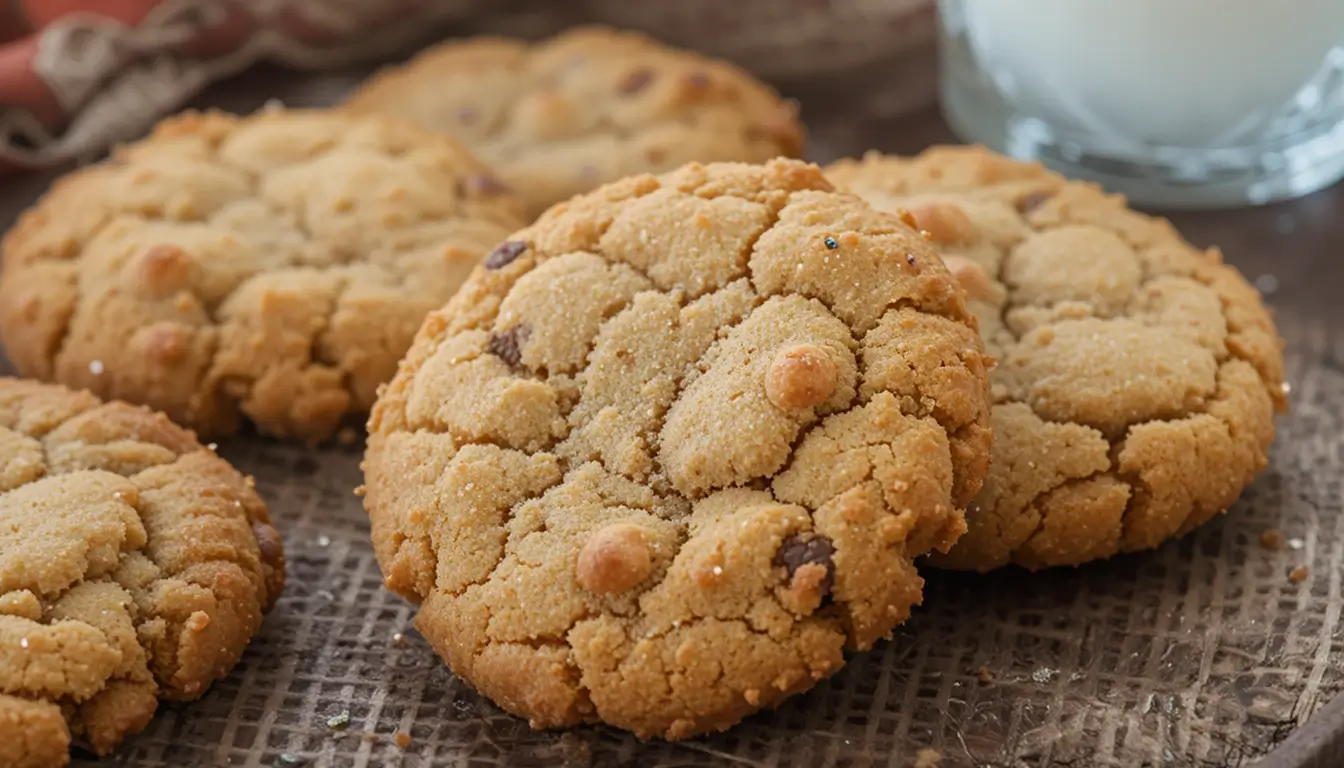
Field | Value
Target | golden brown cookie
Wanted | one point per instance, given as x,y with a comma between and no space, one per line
587,107
1137,376
674,448
135,565
273,266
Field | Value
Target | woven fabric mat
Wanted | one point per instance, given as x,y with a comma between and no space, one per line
1202,653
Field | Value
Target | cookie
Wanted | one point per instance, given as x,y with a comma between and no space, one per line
590,106
1137,377
135,566
673,448
273,267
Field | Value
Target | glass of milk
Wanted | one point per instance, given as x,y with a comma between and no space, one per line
1175,103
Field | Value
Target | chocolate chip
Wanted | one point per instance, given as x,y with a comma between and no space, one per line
508,345
795,552
268,541
485,184
635,82
505,254
1033,201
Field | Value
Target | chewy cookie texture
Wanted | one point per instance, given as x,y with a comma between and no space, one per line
135,566
673,448
587,107
273,267
1137,376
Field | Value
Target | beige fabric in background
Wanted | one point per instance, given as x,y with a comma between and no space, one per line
115,80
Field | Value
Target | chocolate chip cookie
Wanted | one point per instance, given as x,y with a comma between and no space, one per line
135,565
587,107
273,267
673,448
1137,376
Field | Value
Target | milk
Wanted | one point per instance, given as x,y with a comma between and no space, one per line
1177,73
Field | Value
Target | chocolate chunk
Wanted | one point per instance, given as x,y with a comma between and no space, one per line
1033,201
635,82
505,254
795,552
268,541
508,345
485,184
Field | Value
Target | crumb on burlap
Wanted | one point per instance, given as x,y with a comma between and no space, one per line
402,738
927,758
1299,574
985,675
1273,539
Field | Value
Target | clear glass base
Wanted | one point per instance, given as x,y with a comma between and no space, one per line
1302,153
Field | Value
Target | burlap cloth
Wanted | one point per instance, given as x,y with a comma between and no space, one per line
1202,653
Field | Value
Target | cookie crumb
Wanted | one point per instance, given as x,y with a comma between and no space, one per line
402,738
371,738
398,640
927,758
1267,284
985,675
339,721
1272,539
1299,574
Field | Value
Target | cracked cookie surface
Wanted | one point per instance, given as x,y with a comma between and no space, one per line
587,107
273,267
673,448
1137,376
135,566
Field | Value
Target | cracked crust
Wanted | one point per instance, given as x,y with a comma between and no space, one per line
585,108
732,408
135,565
1137,376
273,267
